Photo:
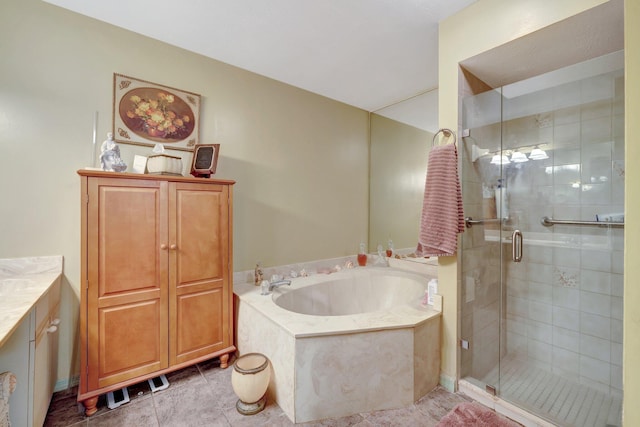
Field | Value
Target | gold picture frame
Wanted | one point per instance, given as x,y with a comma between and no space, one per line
146,113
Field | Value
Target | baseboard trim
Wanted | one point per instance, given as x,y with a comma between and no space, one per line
66,383
448,382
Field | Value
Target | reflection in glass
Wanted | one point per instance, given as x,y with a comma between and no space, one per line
400,143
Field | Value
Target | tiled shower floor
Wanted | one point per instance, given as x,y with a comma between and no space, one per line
556,398
201,395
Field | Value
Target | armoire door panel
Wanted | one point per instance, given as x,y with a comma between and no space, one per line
199,324
129,222
131,343
200,232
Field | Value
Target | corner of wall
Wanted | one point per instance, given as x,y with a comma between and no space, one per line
448,382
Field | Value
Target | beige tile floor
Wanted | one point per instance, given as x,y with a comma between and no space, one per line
201,395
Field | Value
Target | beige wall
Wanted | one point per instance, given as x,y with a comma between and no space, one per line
510,20
631,322
300,160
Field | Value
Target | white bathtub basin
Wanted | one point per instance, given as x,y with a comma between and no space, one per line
356,294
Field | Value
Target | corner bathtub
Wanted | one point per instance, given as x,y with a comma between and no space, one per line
340,344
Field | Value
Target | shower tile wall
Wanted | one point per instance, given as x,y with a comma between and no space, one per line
563,305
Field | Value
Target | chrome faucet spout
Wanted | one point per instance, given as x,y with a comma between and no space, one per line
279,283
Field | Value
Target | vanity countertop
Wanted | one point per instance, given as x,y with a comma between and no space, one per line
23,281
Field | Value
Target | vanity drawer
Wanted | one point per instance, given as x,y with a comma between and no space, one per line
47,311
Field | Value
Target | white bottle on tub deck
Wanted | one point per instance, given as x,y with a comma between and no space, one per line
432,289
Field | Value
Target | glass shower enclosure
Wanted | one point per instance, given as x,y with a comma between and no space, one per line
542,257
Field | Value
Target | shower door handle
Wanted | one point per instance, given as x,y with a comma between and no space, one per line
516,246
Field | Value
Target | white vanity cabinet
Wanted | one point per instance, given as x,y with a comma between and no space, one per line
45,350
31,353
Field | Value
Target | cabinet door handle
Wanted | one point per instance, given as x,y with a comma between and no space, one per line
163,247
173,247
55,322
52,329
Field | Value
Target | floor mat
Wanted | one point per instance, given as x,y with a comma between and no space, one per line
476,415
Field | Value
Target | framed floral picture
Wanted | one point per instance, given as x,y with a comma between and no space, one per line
146,113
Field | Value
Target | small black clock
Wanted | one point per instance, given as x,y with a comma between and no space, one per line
205,160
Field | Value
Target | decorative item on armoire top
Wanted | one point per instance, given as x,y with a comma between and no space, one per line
161,163
205,160
110,156
146,113
139,164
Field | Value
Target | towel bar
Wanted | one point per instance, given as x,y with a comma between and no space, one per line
548,222
470,222
446,132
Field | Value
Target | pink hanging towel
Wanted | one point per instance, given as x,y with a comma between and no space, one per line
442,216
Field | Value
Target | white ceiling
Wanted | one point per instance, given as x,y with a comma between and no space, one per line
366,53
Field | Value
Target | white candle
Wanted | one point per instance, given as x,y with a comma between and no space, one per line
95,137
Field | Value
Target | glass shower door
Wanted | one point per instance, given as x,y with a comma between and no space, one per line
481,272
542,303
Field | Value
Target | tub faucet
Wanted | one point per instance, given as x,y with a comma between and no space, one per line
279,283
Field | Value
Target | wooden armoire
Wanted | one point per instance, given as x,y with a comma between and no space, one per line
156,277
